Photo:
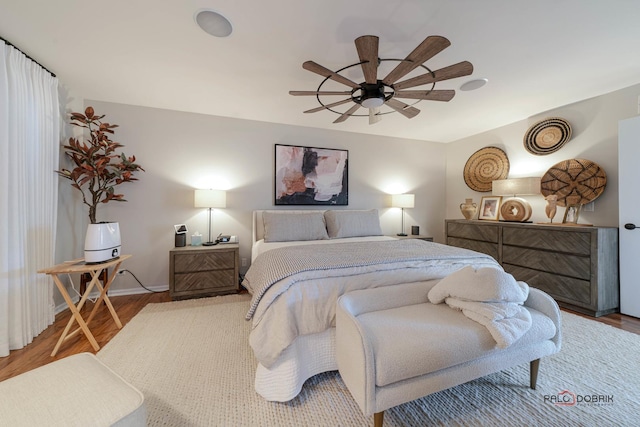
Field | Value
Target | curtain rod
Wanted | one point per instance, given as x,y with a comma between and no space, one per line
21,51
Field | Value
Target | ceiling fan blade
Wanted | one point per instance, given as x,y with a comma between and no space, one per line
325,107
347,114
311,92
367,47
402,108
429,47
374,117
325,72
460,69
431,95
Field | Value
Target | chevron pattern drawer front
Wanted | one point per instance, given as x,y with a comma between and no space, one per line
577,265
200,271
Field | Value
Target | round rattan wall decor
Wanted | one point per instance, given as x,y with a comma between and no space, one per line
547,136
485,166
574,181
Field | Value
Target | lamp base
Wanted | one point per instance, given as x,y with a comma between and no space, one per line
209,243
401,234
515,209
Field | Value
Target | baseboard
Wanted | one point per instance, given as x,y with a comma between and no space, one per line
115,293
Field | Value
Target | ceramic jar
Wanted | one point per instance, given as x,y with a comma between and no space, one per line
468,208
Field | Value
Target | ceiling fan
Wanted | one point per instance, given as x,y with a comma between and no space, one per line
374,93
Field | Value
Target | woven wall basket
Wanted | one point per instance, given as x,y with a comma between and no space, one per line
547,136
574,181
485,166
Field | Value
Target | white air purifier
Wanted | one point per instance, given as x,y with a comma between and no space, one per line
102,242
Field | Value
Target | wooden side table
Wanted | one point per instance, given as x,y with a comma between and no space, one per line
79,266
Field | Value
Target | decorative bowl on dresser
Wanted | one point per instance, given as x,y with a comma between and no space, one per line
201,271
578,266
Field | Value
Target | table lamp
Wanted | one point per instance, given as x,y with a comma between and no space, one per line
402,201
210,199
515,208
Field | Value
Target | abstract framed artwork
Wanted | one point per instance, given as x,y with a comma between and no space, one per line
311,176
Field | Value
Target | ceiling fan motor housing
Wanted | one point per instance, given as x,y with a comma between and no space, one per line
372,95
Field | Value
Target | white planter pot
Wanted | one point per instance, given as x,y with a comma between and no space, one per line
102,242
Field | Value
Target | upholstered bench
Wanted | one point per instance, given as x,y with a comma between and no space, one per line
78,390
394,346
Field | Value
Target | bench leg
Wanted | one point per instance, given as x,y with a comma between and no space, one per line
533,371
378,419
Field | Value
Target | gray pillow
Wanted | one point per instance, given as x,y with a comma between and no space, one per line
353,223
287,227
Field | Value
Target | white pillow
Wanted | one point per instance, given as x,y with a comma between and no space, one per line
352,223
287,227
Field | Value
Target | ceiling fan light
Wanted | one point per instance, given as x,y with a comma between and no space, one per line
373,102
213,23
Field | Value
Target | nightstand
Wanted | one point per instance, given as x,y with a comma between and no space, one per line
200,271
420,237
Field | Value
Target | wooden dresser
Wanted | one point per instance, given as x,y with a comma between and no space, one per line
578,266
199,271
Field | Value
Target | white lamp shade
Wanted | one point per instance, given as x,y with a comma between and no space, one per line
402,200
515,186
210,199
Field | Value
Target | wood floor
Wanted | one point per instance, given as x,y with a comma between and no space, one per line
103,328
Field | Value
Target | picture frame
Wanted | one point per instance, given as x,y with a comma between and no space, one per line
571,214
490,208
311,176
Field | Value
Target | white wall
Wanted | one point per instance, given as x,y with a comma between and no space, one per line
184,151
595,137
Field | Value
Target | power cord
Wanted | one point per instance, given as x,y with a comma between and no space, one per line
139,282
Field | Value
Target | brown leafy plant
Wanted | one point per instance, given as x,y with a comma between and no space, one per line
98,168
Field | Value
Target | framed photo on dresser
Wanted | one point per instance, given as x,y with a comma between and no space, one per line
571,214
490,208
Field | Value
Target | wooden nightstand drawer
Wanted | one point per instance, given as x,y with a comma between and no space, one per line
206,280
203,261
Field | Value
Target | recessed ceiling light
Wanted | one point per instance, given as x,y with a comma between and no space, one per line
473,84
213,23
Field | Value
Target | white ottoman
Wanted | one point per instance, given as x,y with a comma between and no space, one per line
78,390
394,346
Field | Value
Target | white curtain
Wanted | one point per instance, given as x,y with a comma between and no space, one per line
29,153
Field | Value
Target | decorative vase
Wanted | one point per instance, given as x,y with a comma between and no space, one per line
468,208
102,242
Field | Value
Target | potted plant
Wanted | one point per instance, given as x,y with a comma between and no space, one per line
97,170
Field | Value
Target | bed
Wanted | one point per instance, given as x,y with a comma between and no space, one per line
302,261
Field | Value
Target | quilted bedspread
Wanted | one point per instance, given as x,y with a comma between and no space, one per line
295,289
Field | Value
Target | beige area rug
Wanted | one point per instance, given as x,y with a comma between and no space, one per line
193,364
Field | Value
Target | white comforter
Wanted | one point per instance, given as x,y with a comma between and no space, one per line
303,302
489,296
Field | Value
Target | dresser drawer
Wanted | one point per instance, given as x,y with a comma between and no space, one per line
192,262
490,249
485,233
213,281
567,265
552,240
562,288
